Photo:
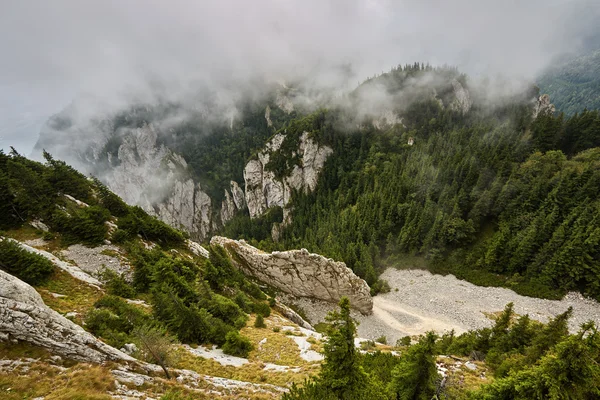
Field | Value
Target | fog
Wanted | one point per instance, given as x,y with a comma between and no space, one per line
53,51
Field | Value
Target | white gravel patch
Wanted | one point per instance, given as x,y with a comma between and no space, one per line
217,355
425,301
303,344
92,261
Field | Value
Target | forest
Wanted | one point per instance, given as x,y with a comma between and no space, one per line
493,196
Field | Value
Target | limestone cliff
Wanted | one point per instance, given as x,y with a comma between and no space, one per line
25,317
265,190
542,105
300,273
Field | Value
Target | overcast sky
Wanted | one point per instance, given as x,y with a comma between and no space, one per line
52,51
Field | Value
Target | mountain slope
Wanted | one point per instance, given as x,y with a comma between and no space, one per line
574,85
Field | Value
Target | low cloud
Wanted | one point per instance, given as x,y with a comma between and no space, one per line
122,51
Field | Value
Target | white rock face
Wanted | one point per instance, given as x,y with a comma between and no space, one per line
155,178
25,317
542,105
238,195
264,190
300,273
227,208
196,248
462,101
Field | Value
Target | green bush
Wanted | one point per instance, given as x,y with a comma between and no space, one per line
259,322
262,309
29,267
237,345
117,285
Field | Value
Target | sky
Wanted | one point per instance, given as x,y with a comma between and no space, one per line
54,51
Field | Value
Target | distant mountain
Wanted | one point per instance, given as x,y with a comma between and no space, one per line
574,84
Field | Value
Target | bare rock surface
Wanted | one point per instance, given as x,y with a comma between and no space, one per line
196,248
264,190
71,269
25,317
542,105
300,273
94,260
426,301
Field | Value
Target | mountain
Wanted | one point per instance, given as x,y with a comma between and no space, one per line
413,161
99,299
574,84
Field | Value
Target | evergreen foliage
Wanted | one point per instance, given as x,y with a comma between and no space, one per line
30,267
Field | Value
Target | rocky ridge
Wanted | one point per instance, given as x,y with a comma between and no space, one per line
25,317
300,273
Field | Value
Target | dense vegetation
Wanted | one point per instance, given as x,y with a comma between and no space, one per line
33,191
574,84
197,300
529,360
492,195
27,266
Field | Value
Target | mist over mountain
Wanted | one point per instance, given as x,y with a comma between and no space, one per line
120,52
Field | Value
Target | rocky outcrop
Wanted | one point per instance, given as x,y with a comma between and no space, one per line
238,195
462,101
264,190
542,105
25,317
69,268
300,273
155,178
196,248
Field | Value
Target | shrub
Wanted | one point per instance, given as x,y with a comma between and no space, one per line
29,267
120,236
237,345
116,284
261,308
381,339
259,322
404,341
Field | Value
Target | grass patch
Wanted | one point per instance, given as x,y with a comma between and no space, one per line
79,296
82,381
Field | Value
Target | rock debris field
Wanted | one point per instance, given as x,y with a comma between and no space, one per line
425,301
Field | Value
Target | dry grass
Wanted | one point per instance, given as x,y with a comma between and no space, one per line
80,297
279,349
82,381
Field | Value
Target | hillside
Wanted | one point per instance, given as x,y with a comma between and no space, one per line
83,275
574,84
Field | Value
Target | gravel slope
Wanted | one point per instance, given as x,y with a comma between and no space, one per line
425,302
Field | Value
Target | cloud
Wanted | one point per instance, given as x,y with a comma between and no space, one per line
54,50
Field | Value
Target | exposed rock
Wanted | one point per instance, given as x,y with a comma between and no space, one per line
292,316
300,273
94,260
25,317
255,198
284,103
129,348
462,101
238,195
37,224
71,269
542,105
196,248
268,116
263,190
227,208
78,202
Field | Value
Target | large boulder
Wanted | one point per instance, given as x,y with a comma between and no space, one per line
300,273
25,317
